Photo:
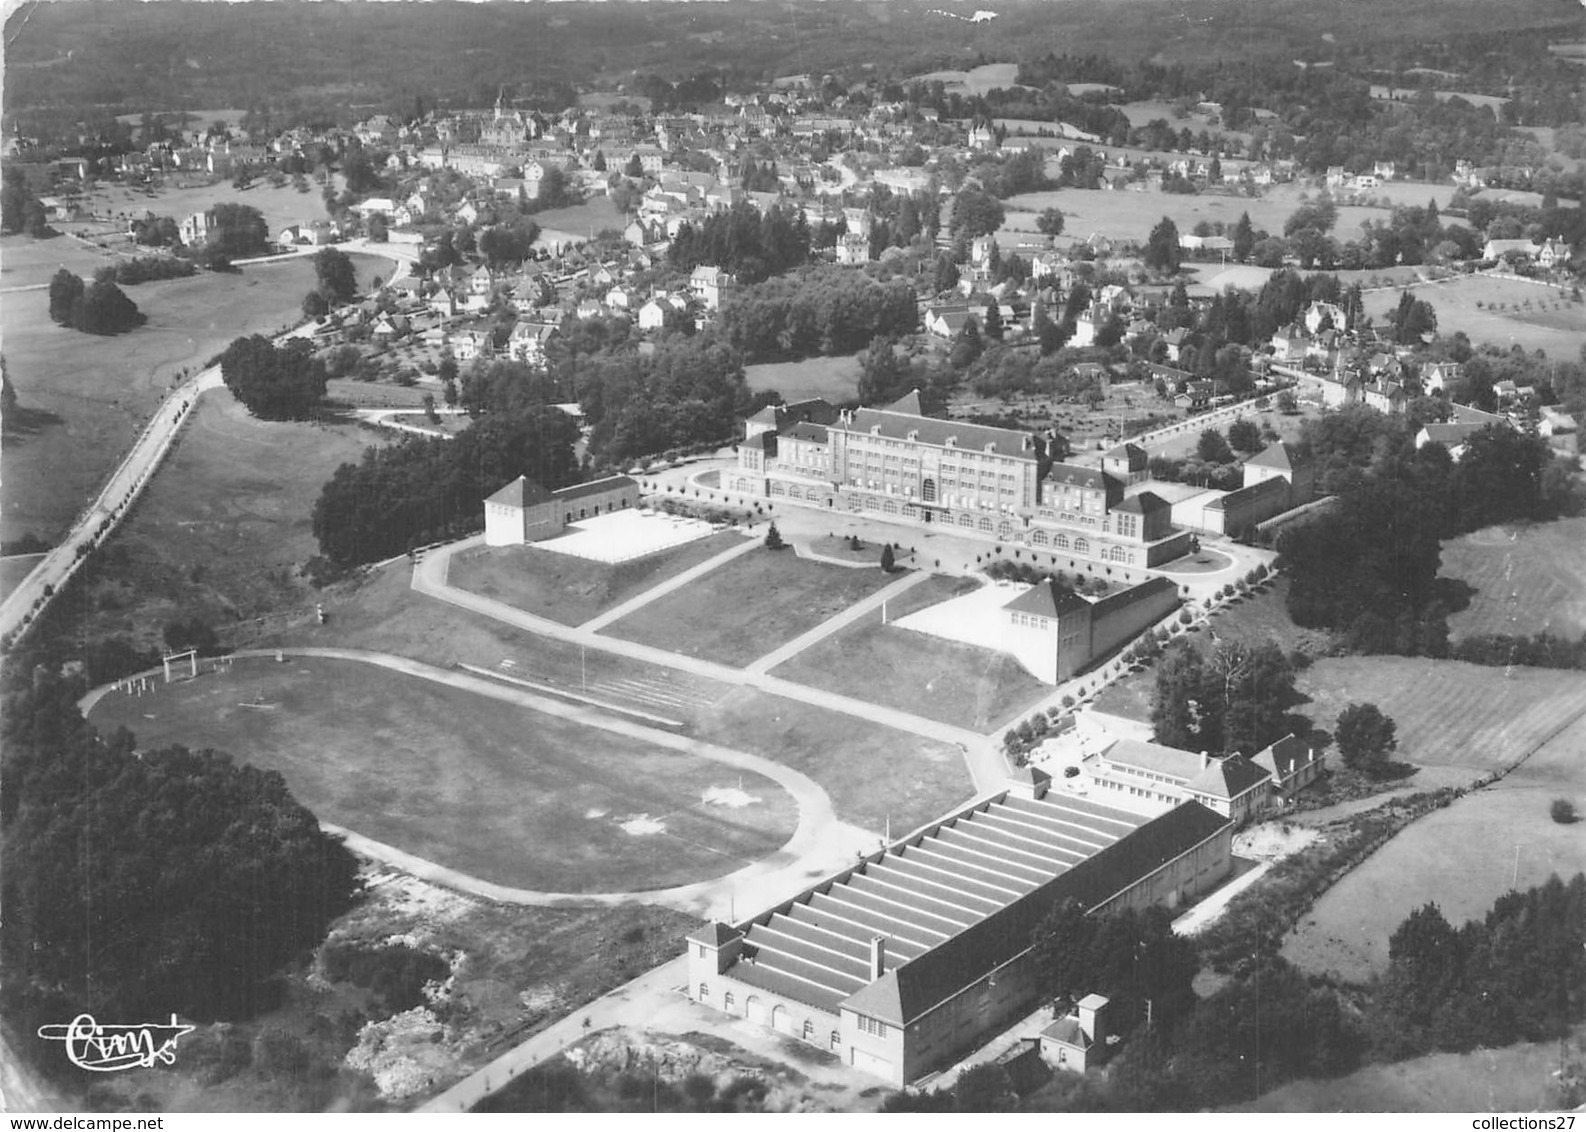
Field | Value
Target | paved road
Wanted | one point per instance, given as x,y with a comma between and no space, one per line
132,475
986,765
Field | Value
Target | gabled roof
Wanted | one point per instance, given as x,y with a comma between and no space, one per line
595,487
1274,486
1047,599
1081,475
1137,456
1066,1030
806,430
1284,757
1228,778
908,403
1154,757
930,430
714,934
1144,503
521,492
1278,455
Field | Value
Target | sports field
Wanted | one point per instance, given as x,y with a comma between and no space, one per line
84,396
572,590
836,379
493,790
181,197
956,683
1462,857
1528,579
1504,312
748,607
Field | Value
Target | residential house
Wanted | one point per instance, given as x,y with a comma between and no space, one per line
528,341
1554,253
652,316
1498,249
853,250
1078,1040
710,285
1293,764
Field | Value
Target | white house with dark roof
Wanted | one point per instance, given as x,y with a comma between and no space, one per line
1293,764
909,959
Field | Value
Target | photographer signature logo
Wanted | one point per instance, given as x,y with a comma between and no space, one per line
105,1049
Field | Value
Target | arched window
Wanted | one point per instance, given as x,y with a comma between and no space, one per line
1115,554
704,991
928,490
809,1031
1004,529
985,522
890,507
1060,542
1040,538
726,1002
966,521
1081,546
778,487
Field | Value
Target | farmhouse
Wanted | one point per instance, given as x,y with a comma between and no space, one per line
989,482
524,512
905,961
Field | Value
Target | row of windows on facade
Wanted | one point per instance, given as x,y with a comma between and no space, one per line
857,444
867,1024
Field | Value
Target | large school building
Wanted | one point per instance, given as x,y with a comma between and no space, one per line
919,952
993,483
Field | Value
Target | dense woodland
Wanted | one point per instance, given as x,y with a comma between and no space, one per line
139,883
819,310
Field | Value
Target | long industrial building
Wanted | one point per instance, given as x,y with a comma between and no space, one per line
920,951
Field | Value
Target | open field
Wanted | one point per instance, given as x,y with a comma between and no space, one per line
223,528
14,569
836,379
84,396
573,590
978,80
578,222
1129,216
1518,1078
496,791
1449,714
748,607
1528,580
956,683
1551,322
1465,856
26,262
873,773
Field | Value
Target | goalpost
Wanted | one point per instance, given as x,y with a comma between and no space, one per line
177,658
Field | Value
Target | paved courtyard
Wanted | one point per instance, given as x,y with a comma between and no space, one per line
622,536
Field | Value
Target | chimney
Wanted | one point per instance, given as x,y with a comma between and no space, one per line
1091,1022
1206,760
878,957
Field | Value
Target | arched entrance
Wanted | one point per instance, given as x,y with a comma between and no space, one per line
754,1010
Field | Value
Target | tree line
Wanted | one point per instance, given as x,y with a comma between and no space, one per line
744,242
99,307
427,489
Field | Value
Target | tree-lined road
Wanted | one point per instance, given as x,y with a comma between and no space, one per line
22,606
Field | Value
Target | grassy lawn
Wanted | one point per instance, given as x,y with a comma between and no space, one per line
836,379
13,570
748,607
872,773
1448,713
84,397
470,782
280,207
383,613
1518,1078
1552,322
579,221
224,526
944,680
573,590
26,262
1465,856
1528,579
869,553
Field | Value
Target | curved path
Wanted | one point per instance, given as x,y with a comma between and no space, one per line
820,843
